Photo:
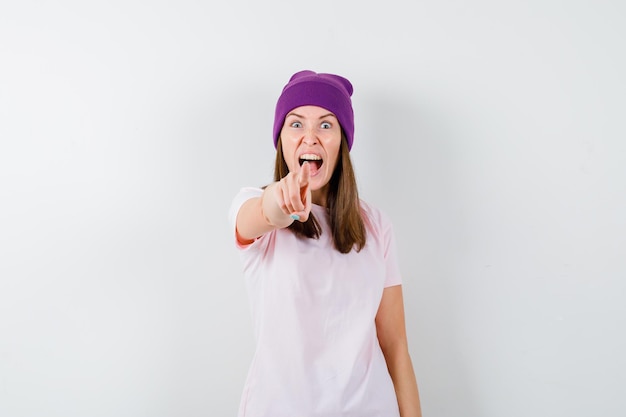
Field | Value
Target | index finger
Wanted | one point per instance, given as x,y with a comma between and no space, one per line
304,174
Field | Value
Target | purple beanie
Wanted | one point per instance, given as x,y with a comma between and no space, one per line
308,88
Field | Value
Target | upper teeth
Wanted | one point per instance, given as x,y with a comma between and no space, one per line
310,157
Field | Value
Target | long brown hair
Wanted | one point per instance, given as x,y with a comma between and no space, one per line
344,207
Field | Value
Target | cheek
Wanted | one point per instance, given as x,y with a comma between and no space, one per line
287,147
333,161
288,157
334,150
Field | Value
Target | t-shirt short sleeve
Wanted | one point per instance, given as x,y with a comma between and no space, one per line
381,234
241,197
393,276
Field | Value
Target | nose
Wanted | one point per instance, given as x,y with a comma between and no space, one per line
310,138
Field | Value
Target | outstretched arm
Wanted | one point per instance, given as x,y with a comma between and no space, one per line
390,326
280,204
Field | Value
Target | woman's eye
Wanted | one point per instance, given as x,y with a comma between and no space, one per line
296,124
326,125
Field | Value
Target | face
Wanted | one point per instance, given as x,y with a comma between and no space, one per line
313,134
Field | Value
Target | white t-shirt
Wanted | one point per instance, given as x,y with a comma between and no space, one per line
313,311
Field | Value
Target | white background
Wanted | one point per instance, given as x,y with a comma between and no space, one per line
492,133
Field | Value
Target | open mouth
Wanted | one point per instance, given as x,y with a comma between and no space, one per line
315,161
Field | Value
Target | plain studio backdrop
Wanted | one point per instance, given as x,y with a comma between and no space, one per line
492,133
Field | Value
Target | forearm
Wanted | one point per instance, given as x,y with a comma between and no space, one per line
403,376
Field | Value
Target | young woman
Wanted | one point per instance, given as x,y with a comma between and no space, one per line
321,271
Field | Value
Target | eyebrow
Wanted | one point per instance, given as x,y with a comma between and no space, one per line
302,117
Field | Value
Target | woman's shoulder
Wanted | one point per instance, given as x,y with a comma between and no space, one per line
242,195
249,192
374,216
